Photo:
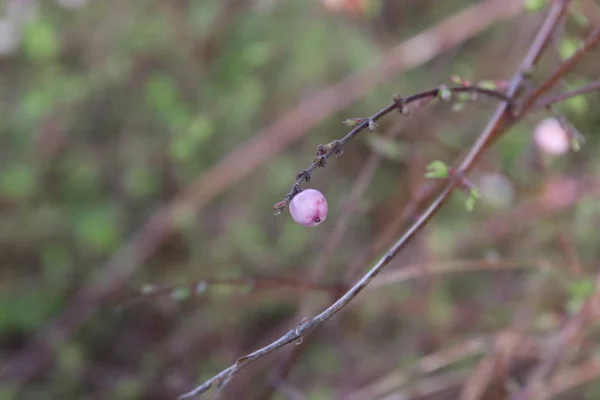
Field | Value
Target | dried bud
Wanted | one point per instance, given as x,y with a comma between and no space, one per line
551,138
309,208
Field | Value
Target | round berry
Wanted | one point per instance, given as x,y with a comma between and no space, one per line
551,138
309,208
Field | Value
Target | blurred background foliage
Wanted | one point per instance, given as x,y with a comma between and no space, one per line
111,108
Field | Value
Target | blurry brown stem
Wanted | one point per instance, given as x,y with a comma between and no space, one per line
201,285
557,98
561,71
575,376
476,265
425,365
567,338
441,359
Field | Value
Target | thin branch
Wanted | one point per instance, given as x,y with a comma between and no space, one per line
557,98
201,285
569,335
434,386
566,67
457,266
495,127
426,365
575,376
494,369
400,104
434,362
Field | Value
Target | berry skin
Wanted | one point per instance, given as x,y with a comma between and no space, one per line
551,138
309,208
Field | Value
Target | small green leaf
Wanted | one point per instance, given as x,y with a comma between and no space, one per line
465,96
581,288
567,47
534,5
577,138
577,104
40,41
352,122
98,229
488,84
437,170
444,93
580,18
472,199
456,79
181,293
579,291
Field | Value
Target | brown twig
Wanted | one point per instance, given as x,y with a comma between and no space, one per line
441,359
442,386
574,377
415,271
201,285
568,337
557,98
399,104
566,67
426,365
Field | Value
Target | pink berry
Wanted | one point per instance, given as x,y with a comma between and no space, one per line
309,208
551,137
